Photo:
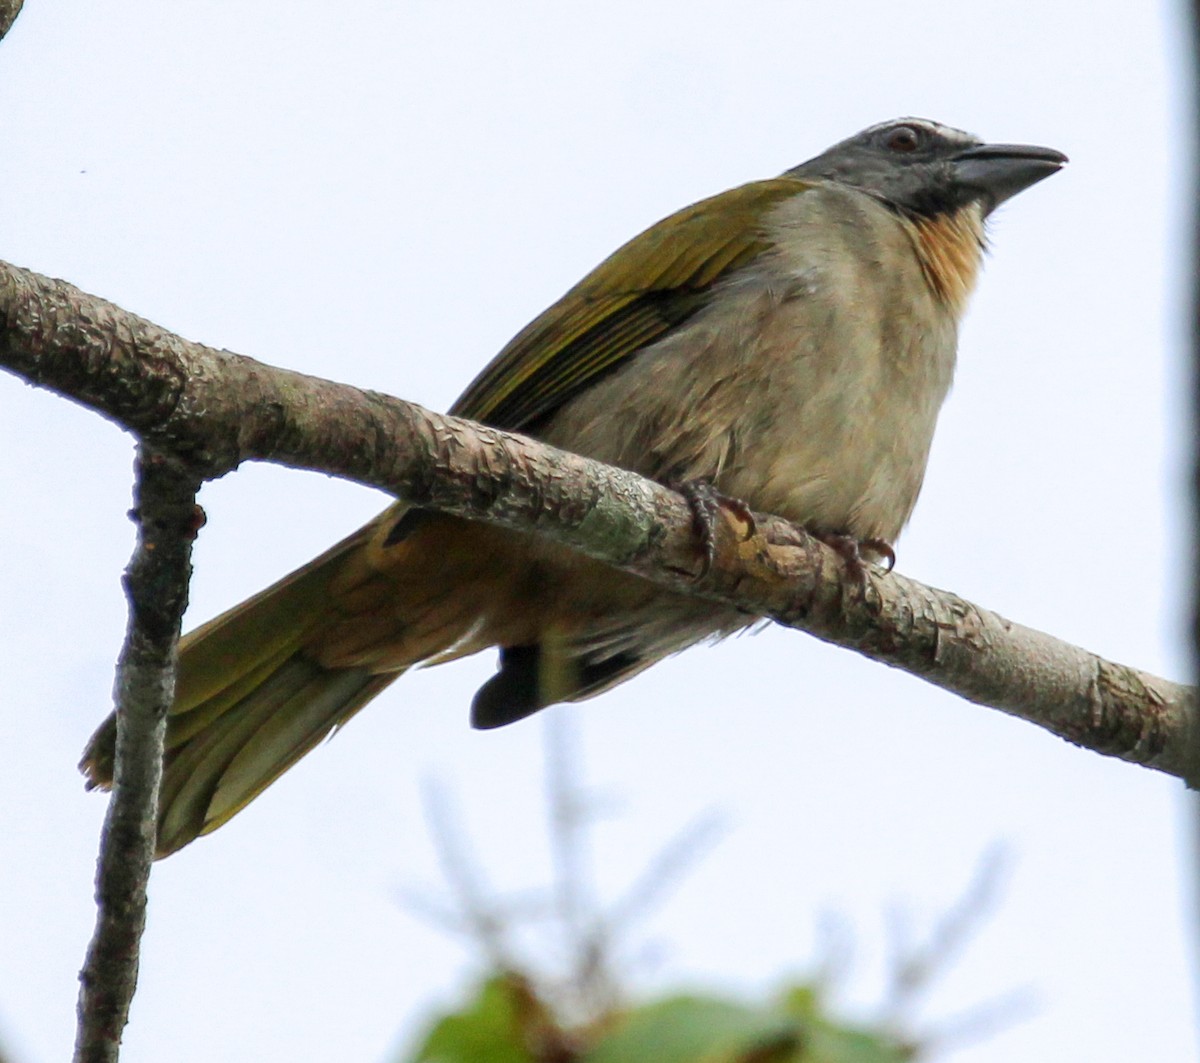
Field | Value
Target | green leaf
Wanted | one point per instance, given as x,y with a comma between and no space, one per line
489,1029
696,1029
832,1044
826,1041
804,1000
504,1022
699,1029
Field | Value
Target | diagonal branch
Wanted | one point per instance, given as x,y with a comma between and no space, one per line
214,409
9,10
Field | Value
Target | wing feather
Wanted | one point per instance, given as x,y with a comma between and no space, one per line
652,284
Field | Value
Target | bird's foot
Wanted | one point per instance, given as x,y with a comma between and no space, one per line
851,551
882,549
705,502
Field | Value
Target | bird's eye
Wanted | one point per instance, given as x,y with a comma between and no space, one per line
903,139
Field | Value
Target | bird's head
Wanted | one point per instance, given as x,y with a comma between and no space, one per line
922,168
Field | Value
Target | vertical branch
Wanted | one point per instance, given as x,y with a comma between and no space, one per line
566,807
156,584
590,988
482,917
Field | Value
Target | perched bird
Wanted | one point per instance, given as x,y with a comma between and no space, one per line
788,342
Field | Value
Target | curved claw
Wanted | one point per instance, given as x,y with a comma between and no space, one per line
850,549
705,502
884,549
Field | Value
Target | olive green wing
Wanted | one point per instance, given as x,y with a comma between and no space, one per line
649,286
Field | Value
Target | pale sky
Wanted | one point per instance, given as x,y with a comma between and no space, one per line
384,193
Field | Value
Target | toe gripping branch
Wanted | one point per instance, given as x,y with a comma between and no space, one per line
851,551
705,502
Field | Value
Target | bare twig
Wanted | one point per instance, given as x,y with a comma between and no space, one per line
156,585
483,918
584,985
667,867
568,810
590,986
980,1023
834,949
914,967
215,409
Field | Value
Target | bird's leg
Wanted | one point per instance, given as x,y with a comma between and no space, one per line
705,502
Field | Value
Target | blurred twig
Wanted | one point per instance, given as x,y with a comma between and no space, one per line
574,999
916,965
588,936
485,921
570,816
666,869
589,986
979,1023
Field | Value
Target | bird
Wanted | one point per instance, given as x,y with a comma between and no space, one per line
787,343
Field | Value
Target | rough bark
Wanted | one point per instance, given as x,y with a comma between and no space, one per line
9,10
156,584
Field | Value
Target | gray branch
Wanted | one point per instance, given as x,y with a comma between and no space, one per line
214,409
156,584
9,10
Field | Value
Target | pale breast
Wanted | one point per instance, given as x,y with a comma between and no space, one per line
811,385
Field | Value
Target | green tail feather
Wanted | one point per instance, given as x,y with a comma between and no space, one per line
214,774
248,704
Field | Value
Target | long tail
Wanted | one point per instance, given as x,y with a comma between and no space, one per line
261,685
249,703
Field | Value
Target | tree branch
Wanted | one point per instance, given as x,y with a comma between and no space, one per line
214,409
9,10
156,584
